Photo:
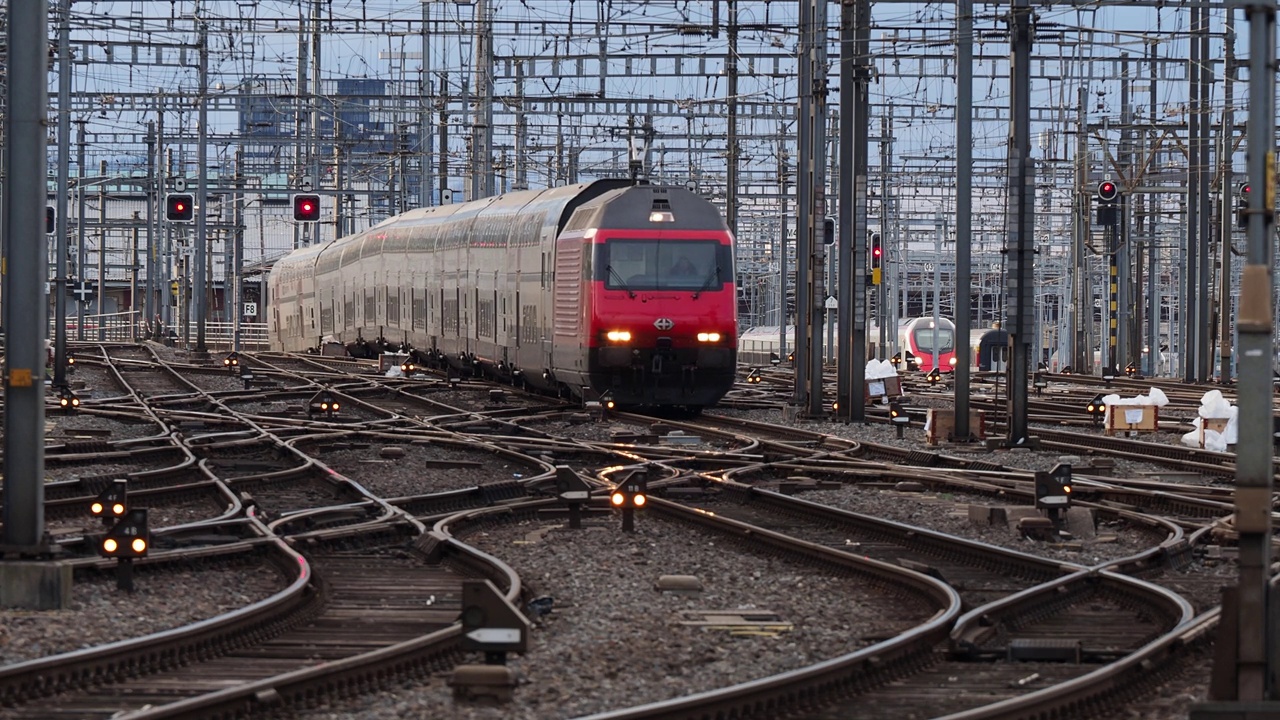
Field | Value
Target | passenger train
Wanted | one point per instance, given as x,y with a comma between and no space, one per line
930,345
610,289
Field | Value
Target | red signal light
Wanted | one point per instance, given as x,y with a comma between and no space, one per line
179,207
306,208
1107,191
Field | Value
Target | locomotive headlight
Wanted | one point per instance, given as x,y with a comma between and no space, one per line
953,362
661,216
708,337
618,336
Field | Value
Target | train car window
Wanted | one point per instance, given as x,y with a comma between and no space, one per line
661,265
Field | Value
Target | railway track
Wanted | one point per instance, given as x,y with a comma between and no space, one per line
230,455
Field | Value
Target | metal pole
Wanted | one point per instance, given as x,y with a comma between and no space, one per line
1081,357
82,256
855,118
149,302
133,278
731,171
1204,353
426,130
1153,297
237,253
804,204
1187,305
1226,223
102,250
317,92
25,309
964,210
783,173
1122,278
1256,640
884,293
815,210
64,170
1020,300
201,239
482,129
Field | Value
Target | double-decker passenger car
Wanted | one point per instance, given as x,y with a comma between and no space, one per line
604,288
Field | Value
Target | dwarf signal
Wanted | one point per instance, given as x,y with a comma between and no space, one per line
112,502
127,540
630,494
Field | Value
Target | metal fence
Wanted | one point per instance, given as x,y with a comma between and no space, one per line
128,327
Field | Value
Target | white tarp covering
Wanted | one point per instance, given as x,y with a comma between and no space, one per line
880,369
1214,406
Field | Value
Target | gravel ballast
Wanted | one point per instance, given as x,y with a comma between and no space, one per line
614,641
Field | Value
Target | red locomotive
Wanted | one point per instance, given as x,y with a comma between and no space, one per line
603,290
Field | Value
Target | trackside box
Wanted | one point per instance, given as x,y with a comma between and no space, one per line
1132,418
942,426
886,387
1218,425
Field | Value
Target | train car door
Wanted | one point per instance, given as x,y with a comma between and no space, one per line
546,278
567,304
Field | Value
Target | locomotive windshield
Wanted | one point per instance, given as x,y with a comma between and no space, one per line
932,340
662,265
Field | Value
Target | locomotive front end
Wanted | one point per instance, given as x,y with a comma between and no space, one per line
662,313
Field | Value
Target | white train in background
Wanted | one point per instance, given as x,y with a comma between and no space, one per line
932,344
